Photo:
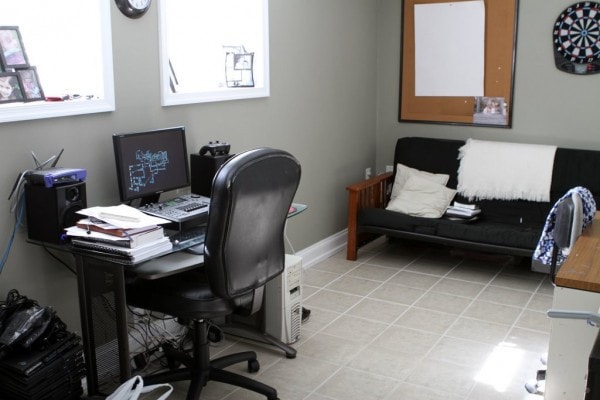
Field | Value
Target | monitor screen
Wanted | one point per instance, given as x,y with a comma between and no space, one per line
150,163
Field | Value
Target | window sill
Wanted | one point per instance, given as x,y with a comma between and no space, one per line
48,109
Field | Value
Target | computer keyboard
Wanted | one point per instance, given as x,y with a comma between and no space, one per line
179,209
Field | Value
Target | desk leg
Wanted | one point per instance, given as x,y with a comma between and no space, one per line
103,312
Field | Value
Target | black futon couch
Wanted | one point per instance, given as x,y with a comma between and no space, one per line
504,226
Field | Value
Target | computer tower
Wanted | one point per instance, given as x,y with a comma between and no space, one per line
283,302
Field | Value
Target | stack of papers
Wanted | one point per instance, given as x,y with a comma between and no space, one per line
121,231
462,211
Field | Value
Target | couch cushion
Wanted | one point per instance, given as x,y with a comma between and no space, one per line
393,220
403,173
483,230
422,197
512,212
438,156
575,167
492,232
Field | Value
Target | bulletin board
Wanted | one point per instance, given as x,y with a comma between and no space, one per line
498,72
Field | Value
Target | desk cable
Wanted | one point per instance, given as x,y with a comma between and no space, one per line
18,206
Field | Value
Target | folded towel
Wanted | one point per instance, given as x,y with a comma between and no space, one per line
506,171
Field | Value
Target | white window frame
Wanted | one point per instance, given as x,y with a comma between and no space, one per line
168,98
37,110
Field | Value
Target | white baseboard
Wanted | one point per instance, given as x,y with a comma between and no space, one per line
323,249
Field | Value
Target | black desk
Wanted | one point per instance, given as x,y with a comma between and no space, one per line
103,307
103,311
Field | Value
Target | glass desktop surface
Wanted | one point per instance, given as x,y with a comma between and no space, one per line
296,208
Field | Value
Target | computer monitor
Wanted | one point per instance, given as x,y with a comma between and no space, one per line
150,163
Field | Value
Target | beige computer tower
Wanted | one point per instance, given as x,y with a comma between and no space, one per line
283,302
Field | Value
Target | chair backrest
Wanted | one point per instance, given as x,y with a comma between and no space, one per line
569,222
250,199
568,226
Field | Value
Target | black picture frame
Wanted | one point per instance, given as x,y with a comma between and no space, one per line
11,88
12,51
32,89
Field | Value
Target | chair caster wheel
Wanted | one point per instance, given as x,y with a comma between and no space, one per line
253,366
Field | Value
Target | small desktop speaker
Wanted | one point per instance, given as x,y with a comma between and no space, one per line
203,169
51,210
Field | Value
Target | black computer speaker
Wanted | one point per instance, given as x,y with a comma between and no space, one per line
203,169
51,210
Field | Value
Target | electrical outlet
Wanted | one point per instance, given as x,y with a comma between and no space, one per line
368,173
389,168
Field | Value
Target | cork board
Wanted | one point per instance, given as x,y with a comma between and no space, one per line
494,108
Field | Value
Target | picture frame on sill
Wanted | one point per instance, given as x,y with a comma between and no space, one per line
11,88
32,90
12,51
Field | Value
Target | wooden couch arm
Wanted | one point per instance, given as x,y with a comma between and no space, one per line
370,193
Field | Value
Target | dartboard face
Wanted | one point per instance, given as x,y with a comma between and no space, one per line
577,33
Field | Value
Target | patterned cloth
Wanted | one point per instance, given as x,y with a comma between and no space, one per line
543,251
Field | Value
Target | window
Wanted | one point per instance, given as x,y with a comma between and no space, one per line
213,50
69,43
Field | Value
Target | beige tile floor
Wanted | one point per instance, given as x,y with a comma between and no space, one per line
407,321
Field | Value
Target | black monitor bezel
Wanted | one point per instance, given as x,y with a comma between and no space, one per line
149,197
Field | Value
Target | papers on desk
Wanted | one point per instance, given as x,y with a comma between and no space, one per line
122,216
120,231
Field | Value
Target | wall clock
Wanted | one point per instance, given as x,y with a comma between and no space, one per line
133,8
576,37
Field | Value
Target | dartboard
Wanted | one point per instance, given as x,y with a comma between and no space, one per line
576,37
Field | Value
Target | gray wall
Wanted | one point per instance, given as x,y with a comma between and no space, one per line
334,102
550,107
321,109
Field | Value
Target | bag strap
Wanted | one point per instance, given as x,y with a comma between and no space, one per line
151,388
132,388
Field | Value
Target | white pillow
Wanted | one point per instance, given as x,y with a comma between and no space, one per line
421,197
403,173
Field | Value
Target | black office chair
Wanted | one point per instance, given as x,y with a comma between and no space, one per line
567,228
244,248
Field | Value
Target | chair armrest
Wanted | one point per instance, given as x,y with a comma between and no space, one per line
370,193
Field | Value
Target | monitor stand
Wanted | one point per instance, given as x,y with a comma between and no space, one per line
149,199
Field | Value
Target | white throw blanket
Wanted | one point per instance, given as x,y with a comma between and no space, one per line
506,171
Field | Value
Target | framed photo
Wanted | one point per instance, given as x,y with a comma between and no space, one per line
12,51
32,90
11,88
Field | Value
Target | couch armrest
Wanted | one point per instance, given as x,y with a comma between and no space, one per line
370,193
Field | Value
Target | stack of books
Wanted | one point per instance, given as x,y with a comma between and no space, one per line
462,211
120,232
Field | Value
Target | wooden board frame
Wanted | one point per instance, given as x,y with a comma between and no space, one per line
500,55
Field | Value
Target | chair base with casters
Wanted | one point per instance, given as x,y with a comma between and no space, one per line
247,331
186,296
199,369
